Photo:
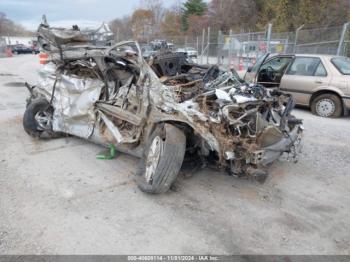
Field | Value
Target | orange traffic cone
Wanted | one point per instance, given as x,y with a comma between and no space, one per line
8,52
240,65
43,57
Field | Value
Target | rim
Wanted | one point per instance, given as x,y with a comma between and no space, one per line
153,158
43,119
325,107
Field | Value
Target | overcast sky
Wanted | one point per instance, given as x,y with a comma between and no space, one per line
68,12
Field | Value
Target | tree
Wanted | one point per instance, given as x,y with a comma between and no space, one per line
158,10
286,15
325,13
307,12
266,12
171,25
192,7
142,22
122,28
232,14
152,18
9,28
196,24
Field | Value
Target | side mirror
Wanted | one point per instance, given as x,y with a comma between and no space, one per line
249,69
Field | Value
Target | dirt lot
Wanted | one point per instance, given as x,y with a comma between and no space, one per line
56,198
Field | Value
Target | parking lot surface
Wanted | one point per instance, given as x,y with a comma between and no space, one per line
57,198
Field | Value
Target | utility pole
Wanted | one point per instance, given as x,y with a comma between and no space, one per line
208,44
218,48
229,47
203,37
268,37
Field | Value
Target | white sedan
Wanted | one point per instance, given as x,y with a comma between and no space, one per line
321,82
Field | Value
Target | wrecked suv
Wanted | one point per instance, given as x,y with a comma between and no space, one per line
110,95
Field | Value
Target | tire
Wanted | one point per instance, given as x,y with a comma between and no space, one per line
327,105
31,125
158,178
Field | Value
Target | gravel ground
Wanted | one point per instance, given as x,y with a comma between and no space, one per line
56,198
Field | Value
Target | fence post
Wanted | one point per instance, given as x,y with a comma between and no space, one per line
229,47
218,49
203,36
268,38
208,44
342,37
296,38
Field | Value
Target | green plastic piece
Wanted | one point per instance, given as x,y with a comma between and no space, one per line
107,154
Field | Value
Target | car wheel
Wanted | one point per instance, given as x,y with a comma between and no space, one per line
37,119
15,52
162,159
327,105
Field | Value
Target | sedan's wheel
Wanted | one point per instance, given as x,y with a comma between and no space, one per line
162,160
37,119
153,158
43,120
327,105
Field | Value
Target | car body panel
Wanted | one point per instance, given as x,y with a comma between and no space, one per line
304,87
251,74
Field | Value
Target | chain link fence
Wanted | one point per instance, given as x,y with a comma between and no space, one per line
319,40
239,50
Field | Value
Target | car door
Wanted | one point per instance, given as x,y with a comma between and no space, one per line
303,76
251,74
271,71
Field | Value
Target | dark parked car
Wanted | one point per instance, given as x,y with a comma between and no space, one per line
22,49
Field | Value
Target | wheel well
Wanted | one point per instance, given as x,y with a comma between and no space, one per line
182,125
186,128
322,92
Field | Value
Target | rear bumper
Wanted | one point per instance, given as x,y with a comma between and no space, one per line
288,144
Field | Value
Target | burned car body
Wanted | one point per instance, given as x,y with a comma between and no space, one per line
111,95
